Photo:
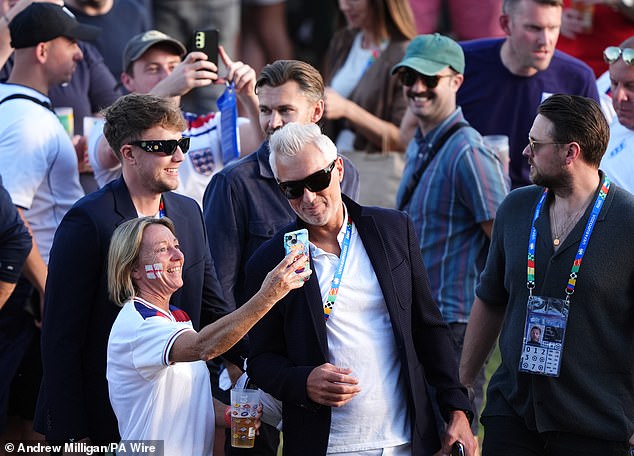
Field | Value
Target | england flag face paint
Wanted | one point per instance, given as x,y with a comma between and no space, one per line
154,271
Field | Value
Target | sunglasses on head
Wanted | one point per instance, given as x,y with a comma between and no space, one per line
409,77
612,53
316,182
165,146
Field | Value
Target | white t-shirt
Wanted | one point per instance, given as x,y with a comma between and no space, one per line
38,163
618,160
605,97
348,77
152,399
360,336
203,160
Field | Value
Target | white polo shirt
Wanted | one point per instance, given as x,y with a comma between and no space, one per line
152,399
360,336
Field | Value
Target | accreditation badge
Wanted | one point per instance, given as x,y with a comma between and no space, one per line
544,332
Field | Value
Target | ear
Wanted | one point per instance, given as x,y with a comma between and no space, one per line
318,111
340,170
127,154
505,24
136,272
127,81
573,152
41,52
457,81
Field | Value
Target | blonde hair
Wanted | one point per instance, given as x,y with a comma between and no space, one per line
123,254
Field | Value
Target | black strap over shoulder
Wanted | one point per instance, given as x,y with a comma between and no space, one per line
415,178
28,97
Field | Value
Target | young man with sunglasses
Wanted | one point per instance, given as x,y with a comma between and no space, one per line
560,260
145,131
618,161
351,355
452,183
507,78
243,205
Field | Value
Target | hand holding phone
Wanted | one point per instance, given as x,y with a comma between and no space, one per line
297,242
207,41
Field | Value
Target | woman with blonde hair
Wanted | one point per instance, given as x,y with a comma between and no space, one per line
157,378
364,103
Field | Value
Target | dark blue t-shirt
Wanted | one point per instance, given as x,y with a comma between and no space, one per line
497,102
126,19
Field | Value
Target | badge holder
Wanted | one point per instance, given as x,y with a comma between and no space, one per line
544,333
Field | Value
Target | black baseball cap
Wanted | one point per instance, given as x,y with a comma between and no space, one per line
41,22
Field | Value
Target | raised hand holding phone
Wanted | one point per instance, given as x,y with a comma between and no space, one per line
297,242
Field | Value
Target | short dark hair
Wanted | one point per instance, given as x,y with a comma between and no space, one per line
305,75
509,5
578,119
131,115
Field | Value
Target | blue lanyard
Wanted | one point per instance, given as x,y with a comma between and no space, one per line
576,265
336,280
228,124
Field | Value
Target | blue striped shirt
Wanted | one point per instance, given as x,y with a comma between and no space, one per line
461,188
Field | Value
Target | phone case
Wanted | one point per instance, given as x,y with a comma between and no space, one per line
297,241
207,41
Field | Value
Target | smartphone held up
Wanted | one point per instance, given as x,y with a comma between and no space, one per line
297,242
207,41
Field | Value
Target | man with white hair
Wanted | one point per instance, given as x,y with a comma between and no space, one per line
351,355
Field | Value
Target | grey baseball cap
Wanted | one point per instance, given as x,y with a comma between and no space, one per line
139,44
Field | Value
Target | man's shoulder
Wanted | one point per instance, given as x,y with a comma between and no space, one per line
27,99
562,60
181,203
521,198
482,47
95,205
568,69
244,167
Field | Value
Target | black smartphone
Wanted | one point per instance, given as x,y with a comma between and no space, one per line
207,41
457,449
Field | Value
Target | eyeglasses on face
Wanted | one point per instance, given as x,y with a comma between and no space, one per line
612,53
165,146
534,144
409,77
316,182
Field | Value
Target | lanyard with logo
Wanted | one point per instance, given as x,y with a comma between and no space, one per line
547,317
336,280
228,124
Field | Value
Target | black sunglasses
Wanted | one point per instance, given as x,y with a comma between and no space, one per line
165,146
612,53
316,182
409,77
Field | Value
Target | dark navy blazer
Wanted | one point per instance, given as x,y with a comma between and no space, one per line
290,341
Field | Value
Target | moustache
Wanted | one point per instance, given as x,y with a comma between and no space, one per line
412,94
